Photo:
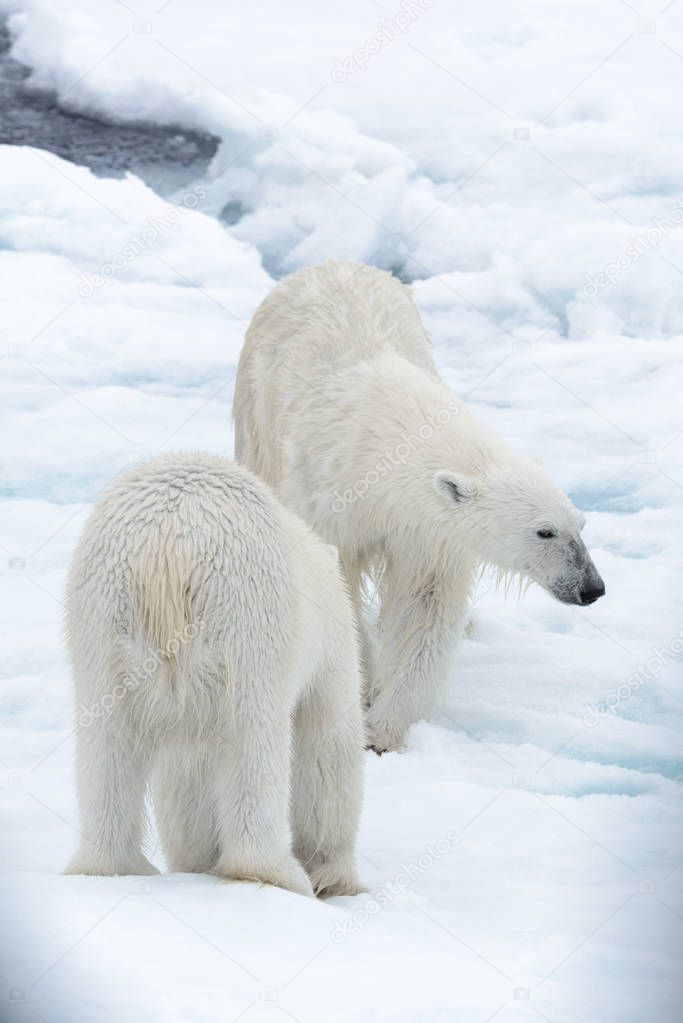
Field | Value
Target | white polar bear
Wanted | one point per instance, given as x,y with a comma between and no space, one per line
213,651
339,407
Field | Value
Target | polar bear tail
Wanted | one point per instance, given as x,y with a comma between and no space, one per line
163,591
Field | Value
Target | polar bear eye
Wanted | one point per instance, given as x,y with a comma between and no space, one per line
546,534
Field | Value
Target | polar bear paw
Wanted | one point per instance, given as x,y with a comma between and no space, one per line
380,737
335,877
286,873
104,866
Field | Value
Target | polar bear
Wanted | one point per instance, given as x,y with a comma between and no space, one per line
339,407
214,653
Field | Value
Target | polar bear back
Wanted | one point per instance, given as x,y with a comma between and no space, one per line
190,560
313,325
337,314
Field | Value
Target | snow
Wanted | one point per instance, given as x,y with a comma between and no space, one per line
522,854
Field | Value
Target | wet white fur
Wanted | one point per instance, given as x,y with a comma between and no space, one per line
335,381
259,708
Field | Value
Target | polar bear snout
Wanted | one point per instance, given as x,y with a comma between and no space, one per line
590,596
593,587
582,584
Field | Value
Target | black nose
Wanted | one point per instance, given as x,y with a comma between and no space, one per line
589,596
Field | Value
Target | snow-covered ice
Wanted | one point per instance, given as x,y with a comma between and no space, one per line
524,854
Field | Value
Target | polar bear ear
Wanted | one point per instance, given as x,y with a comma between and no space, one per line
454,486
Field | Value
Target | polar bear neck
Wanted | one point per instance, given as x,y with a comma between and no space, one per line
404,425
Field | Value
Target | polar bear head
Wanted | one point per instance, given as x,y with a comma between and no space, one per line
517,519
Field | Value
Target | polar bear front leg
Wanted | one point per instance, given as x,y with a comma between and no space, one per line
420,629
365,632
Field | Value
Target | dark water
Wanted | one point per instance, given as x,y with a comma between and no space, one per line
167,159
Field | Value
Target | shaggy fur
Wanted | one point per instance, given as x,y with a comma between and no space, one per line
339,407
213,652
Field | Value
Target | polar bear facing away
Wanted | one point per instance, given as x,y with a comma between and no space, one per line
338,405
214,653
